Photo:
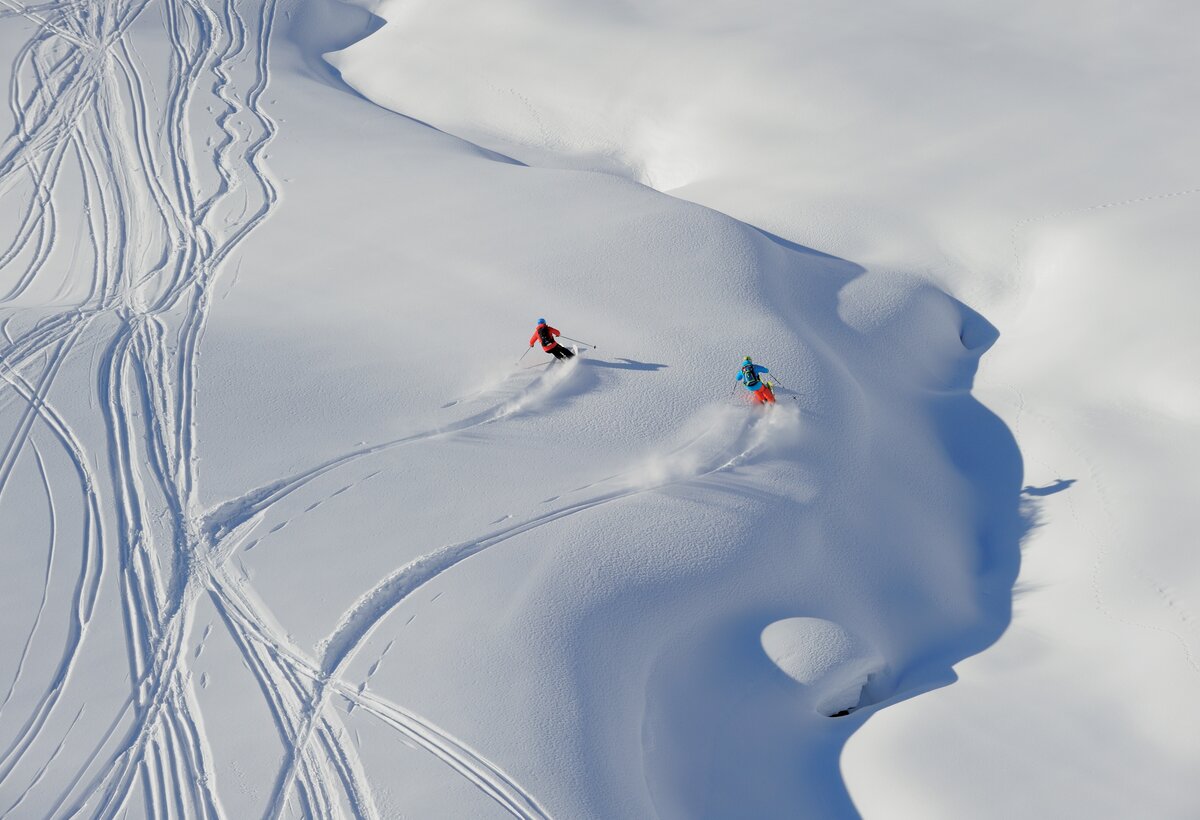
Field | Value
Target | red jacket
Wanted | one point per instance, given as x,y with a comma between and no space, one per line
552,331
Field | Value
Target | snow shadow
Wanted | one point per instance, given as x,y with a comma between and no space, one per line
809,290
977,335
791,755
318,27
1050,489
624,364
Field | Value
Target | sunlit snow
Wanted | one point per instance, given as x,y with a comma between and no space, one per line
296,524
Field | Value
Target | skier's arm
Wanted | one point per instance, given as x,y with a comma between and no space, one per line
758,368
553,330
741,376
533,338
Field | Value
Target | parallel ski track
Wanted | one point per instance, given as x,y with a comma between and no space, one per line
361,620
158,235
156,232
159,216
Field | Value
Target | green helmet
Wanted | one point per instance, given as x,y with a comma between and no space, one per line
746,359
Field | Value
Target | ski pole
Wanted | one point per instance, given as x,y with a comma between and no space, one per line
580,341
525,353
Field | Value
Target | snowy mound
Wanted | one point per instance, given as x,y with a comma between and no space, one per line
831,664
898,134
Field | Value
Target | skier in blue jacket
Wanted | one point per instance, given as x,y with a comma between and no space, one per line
748,375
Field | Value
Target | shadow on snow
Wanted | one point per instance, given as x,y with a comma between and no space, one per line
805,757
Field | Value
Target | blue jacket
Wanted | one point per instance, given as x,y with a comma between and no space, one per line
758,371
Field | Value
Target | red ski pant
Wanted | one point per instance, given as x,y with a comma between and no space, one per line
763,395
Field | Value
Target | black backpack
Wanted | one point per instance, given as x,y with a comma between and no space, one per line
749,374
544,335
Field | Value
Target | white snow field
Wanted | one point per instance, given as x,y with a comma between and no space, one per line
289,532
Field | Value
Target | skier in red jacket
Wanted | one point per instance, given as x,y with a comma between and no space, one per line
545,334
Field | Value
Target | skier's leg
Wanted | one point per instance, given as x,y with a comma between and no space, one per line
566,353
768,394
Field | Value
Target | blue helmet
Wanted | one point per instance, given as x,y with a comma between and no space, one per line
541,321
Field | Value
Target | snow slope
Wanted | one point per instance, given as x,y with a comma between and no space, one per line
288,533
1034,160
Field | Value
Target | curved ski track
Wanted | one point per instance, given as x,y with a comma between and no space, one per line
160,212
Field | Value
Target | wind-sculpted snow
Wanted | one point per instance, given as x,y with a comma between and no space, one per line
230,578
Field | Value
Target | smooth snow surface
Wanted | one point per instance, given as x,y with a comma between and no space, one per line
289,531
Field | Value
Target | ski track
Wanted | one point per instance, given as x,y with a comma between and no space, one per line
168,162
45,580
